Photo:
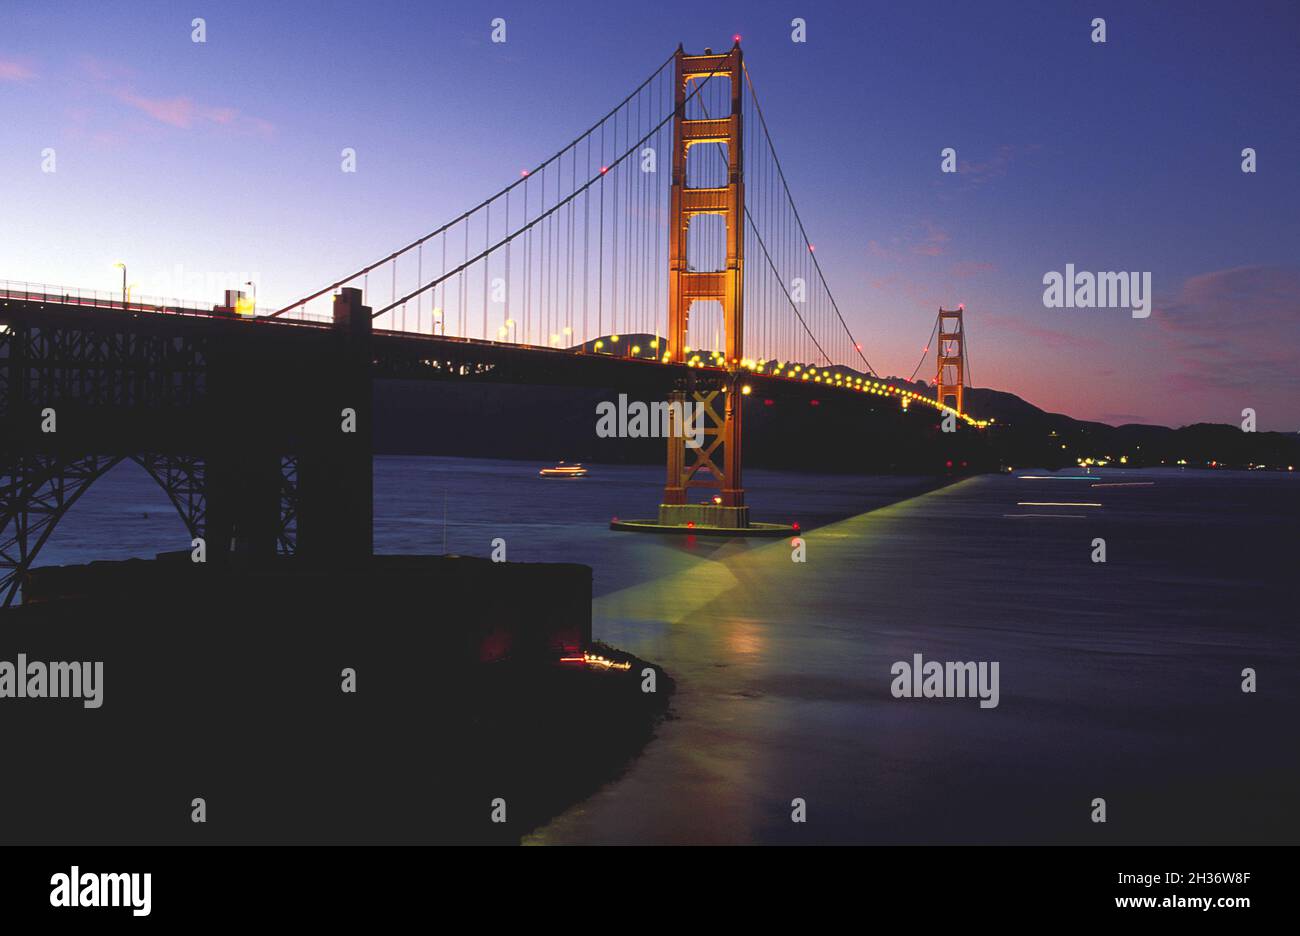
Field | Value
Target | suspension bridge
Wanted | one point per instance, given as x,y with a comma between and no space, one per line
660,252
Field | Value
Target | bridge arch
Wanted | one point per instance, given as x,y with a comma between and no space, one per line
37,491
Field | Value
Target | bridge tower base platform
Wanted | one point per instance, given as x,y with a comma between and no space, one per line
681,524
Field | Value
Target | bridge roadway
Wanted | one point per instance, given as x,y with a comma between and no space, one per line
260,430
397,354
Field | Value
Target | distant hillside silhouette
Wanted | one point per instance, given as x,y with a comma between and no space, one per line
844,433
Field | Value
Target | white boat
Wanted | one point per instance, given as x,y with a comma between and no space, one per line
563,470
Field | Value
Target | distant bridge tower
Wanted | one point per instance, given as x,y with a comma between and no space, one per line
715,464
951,377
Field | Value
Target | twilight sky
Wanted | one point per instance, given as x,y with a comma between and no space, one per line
222,158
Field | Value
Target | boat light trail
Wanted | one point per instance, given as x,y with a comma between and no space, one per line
1046,516
1057,477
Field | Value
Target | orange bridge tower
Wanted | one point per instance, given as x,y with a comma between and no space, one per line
950,379
716,462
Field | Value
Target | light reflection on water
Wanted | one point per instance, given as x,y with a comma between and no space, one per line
1119,679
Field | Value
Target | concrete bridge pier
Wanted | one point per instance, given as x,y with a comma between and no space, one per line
335,484
243,504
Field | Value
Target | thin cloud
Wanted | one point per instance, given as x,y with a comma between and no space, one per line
175,112
184,113
977,172
1240,297
1120,419
926,239
1048,337
180,112
932,242
13,70
968,268
1234,330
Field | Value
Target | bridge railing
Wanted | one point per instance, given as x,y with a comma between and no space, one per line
112,299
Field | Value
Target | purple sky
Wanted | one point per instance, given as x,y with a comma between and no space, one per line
198,161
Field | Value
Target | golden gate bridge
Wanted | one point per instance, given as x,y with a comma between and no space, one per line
659,250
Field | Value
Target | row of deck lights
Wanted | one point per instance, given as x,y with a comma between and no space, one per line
697,358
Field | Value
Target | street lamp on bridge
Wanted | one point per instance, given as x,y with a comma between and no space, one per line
122,266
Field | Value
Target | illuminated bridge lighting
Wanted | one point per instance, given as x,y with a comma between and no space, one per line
596,662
